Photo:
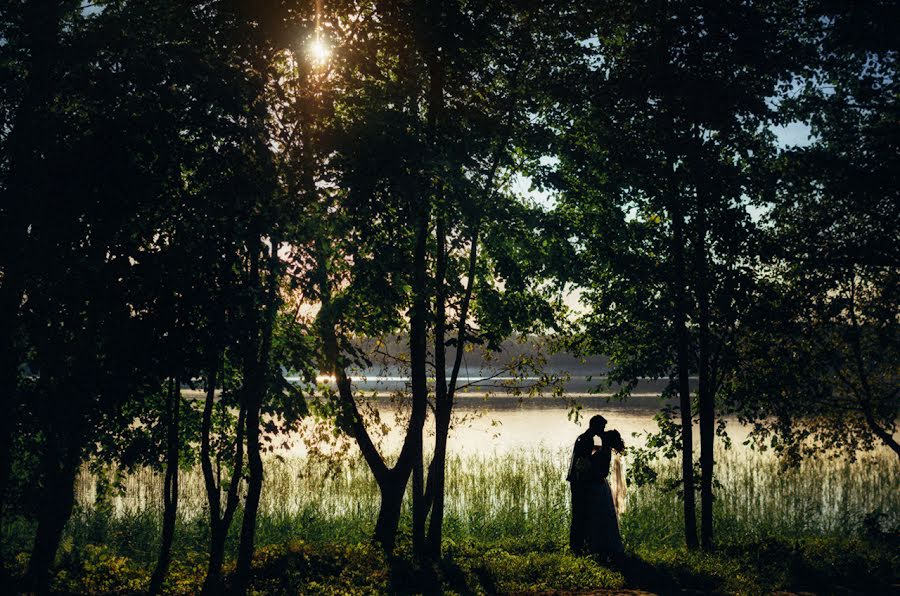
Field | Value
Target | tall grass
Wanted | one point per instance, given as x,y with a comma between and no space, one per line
519,496
756,499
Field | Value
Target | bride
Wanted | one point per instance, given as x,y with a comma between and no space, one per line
603,533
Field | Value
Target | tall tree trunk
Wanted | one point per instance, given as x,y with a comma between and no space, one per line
444,394
706,401
682,340
249,403
418,357
251,500
61,458
434,494
437,475
213,495
679,292
432,28
170,486
256,387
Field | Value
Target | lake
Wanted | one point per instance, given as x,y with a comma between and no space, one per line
488,418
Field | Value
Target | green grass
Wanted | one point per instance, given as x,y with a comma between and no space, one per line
825,525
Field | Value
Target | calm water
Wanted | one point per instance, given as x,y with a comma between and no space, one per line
502,424
488,418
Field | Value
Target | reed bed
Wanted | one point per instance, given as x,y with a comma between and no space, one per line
519,495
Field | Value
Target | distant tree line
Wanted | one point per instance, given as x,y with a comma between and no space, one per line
191,197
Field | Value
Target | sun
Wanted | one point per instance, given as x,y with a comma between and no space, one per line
319,51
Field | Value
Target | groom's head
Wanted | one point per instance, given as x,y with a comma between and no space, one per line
597,424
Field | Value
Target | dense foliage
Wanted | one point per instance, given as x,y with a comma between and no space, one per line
201,200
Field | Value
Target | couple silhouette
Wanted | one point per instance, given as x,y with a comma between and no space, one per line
595,528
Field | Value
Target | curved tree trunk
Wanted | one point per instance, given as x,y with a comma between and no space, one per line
865,395
219,522
392,482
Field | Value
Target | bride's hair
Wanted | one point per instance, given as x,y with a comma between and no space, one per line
614,440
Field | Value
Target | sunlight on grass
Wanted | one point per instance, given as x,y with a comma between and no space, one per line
492,497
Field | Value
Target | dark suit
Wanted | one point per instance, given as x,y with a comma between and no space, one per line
579,478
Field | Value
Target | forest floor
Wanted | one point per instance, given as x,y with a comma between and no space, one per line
816,566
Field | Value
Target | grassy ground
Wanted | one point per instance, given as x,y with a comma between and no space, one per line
827,527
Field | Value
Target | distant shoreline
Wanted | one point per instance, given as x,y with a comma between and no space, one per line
498,400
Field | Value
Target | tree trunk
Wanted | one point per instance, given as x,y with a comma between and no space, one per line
251,501
706,401
391,481
418,357
392,488
434,498
62,455
866,397
213,496
219,522
213,583
684,391
678,276
256,387
437,479
170,487
432,26
219,525
878,430
444,392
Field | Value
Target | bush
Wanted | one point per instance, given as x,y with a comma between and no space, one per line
96,570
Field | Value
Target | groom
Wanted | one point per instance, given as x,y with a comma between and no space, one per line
580,484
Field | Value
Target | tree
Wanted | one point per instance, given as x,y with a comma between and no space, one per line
671,125
373,239
821,357
90,339
401,143
493,59
155,129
